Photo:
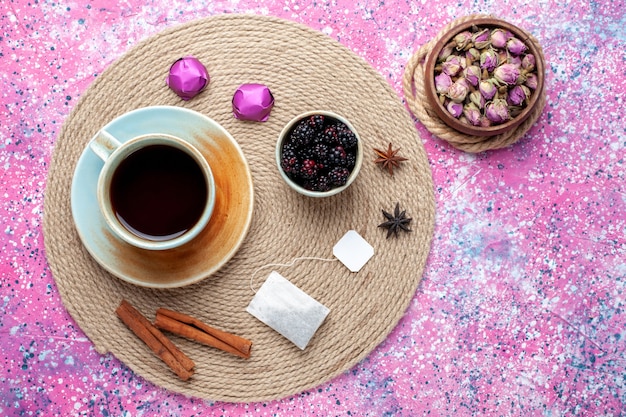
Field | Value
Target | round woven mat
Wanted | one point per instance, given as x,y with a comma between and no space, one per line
414,90
305,70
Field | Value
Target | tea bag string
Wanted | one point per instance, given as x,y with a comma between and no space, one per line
288,264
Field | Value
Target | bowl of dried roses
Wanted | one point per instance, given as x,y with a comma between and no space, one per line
484,76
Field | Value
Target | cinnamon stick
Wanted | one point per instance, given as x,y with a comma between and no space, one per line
194,329
156,340
241,344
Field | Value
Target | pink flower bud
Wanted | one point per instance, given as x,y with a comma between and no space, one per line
499,38
446,51
472,55
451,66
458,91
489,60
517,95
472,114
511,59
472,74
477,98
531,81
481,39
443,83
515,46
507,74
497,111
488,89
455,109
528,62
485,122
462,40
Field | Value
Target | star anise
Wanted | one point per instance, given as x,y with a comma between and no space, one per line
396,221
389,158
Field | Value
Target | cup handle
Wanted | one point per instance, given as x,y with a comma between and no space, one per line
104,144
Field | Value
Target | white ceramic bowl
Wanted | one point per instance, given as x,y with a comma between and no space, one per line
282,137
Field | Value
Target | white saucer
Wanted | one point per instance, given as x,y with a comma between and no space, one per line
208,252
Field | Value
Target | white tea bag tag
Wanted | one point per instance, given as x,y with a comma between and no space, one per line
353,251
287,309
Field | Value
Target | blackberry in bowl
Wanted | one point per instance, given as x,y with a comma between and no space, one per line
319,153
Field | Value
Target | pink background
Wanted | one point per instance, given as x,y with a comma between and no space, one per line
522,307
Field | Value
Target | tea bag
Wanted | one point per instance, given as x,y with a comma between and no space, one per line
353,251
288,310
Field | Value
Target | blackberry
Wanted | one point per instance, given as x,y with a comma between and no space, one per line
339,176
289,160
301,135
337,156
309,170
316,122
321,183
320,151
346,137
330,135
350,161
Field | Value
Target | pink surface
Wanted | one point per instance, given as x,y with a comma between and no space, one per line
522,309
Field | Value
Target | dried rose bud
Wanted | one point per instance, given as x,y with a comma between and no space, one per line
472,74
488,89
515,60
472,114
455,109
507,74
531,81
489,60
517,96
485,122
516,46
443,83
482,39
462,40
458,91
451,66
477,98
472,55
497,111
499,38
446,51
528,62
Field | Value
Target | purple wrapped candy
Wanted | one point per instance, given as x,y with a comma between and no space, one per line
187,77
253,102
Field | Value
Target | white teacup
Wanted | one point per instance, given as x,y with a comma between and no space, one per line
155,191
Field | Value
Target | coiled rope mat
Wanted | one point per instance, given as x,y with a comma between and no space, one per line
305,70
415,93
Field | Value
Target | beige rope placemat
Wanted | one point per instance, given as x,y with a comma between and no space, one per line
305,70
415,93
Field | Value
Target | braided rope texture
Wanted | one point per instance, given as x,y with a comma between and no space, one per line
415,93
305,70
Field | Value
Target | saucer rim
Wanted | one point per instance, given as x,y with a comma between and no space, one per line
98,253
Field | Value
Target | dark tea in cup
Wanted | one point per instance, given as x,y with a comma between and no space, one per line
158,192
155,191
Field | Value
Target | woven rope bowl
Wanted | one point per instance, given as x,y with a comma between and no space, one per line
421,97
431,91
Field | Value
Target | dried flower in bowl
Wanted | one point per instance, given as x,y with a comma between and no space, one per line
484,76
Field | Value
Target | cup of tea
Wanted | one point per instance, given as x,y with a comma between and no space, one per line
155,191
